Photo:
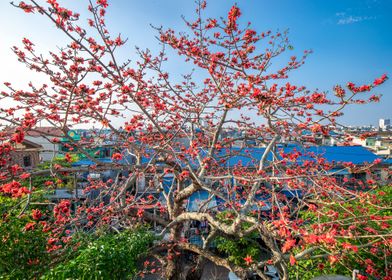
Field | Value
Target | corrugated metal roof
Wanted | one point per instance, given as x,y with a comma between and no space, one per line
354,154
251,156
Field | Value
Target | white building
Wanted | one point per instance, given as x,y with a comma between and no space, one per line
384,124
42,136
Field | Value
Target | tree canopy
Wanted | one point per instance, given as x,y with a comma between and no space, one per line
180,137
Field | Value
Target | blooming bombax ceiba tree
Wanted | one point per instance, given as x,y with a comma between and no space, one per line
184,132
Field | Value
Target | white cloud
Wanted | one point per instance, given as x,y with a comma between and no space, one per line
350,19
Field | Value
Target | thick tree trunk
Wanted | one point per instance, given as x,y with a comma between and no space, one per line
196,271
174,268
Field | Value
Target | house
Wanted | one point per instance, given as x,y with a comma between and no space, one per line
94,146
249,158
332,138
380,144
26,154
43,136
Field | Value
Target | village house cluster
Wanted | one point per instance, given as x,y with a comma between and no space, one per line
44,144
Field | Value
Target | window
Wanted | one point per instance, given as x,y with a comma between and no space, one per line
27,161
106,152
360,176
339,178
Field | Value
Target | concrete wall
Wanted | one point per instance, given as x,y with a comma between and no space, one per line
49,149
18,158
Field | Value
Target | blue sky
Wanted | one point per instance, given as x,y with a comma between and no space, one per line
351,39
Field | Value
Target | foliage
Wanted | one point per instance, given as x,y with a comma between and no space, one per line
239,248
100,255
366,255
111,256
44,184
23,252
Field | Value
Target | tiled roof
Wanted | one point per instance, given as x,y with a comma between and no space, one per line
46,131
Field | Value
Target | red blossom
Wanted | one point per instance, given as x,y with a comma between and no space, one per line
68,157
36,214
57,166
288,245
140,212
14,189
362,277
233,15
380,80
293,261
103,3
18,137
333,259
248,260
25,7
29,226
117,156
24,176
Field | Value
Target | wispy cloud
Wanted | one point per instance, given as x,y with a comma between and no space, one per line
343,18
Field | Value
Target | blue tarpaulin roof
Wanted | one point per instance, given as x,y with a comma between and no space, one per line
89,162
199,199
289,193
354,154
251,156
388,161
231,157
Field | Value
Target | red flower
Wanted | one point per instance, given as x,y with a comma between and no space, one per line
234,14
377,161
25,7
36,214
380,80
116,156
140,213
14,189
104,3
25,176
316,128
333,259
68,157
48,183
248,260
288,245
292,260
361,277
29,226
57,166
18,137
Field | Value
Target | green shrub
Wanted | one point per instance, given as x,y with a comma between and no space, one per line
23,252
111,256
351,259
